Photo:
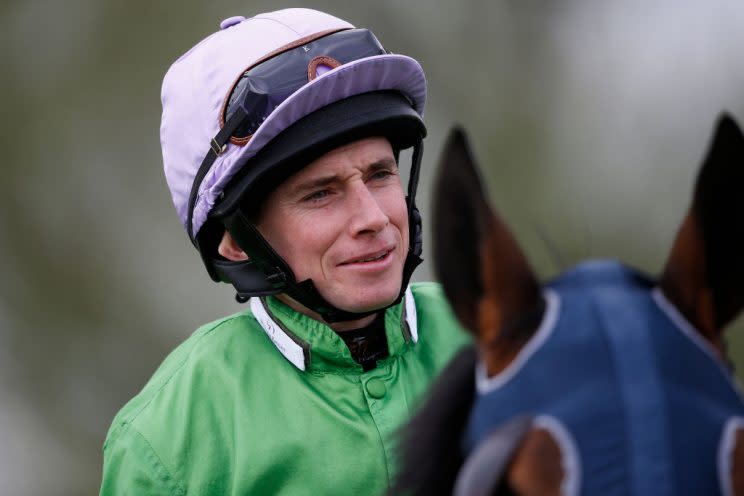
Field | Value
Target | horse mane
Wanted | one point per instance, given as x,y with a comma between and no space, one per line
430,445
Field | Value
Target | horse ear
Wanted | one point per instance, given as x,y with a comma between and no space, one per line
704,275
482,269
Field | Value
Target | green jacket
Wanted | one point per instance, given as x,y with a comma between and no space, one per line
269,401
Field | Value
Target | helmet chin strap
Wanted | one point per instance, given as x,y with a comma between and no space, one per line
267,273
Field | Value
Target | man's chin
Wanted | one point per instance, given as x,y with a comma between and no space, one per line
361,302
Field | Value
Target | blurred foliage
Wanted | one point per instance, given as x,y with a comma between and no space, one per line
590,119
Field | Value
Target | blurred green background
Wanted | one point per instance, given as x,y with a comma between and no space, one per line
590,119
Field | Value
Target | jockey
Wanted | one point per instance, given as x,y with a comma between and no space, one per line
281,136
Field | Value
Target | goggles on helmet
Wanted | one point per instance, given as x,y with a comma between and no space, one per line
270,81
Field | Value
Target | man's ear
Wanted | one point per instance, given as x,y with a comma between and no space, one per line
230,250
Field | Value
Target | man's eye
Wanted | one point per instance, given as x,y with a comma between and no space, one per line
381,174
317,195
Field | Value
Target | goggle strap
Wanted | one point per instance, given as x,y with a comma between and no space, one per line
217,147
414,217
418,152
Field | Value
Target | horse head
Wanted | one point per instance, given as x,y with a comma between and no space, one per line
604,379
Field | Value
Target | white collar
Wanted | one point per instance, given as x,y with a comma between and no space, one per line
294,351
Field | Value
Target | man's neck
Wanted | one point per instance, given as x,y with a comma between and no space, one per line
346,325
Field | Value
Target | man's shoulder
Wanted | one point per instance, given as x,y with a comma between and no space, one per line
434,314
430,298
187,372
427,290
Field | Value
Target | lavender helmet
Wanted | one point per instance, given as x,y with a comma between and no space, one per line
260,99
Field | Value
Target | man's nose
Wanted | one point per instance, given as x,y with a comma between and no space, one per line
367,215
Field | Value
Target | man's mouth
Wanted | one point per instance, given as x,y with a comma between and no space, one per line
372,257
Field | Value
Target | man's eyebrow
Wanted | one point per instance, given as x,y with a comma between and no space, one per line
320,182
383,163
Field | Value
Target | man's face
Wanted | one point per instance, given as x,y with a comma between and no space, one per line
342,222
